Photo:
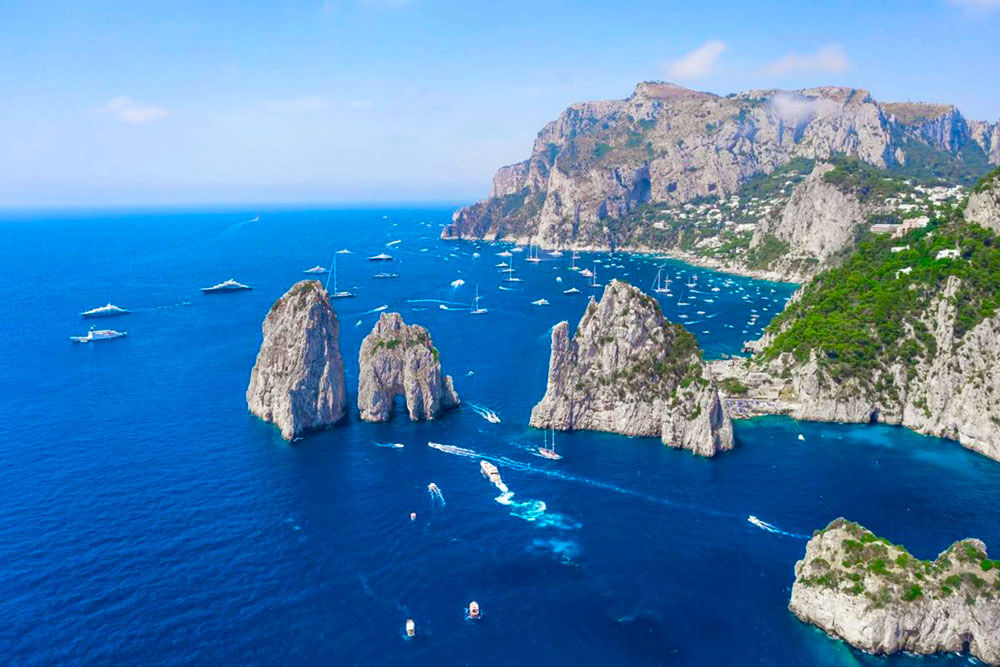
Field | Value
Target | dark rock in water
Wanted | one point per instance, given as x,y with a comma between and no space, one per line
400,359
298,380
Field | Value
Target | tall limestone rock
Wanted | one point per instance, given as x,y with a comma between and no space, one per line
628,370
877,597
400,359
298,380
983,207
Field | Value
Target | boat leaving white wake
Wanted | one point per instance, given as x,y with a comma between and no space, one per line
485,413
390,445
376,310
452,449
764,525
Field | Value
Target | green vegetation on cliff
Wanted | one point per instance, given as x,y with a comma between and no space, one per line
870,312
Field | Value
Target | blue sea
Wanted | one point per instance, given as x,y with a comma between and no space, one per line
146,517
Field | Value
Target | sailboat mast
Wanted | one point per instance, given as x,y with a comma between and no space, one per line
333,262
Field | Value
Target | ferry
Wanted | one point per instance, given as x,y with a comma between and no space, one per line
98,334
381,257
227,286
104,311
316,269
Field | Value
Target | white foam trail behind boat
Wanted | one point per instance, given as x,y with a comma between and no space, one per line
436,495
764,525
452,449
375,310
485,413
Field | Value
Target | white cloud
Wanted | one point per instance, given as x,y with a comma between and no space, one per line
124,108
697,63
797,109
830,58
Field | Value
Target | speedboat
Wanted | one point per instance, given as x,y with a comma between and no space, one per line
227,286
381,257
104,311
473,610
540,302
385,276
571,290
411,628
490,472
316,269
98,334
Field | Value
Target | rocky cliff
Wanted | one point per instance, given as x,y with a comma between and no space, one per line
601,160
628,370
819,221
400,359
298,380
983,207
879,598
900,334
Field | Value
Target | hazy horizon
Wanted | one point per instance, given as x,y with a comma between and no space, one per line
409,101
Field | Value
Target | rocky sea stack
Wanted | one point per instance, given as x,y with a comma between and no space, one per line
400,359
628,370
298,380
877,597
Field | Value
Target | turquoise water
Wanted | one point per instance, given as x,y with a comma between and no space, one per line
146,517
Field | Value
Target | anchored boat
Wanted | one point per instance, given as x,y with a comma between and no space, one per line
98,334
227,286
104,311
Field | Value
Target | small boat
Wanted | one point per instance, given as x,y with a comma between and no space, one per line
556,253
659,285
105,311
457,283
226,286
549,452
586,273
473,610
505,253
571,290
540,302
510,275
476,309
433,487
572,261
343,251
336,294
98,334
385,276
411,627
389,244
381,257
316,269
490,472
517,249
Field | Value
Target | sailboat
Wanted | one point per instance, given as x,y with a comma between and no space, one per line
510,273
659,285
572,261
335,294
476,309
593,278
691,282
533,254
549,452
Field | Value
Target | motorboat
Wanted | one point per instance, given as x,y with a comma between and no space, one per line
490,472
381,257
571,290
226,286
98,334
473,610
316,270
505,253
540,302
411,627
385,276
105,311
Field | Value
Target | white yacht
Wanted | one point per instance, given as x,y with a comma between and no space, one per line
316,270
571,290
593,279
540,302
510,274
98,334
476,308
533,254
661,285
336,294
381,257
226,286
105,311
549,451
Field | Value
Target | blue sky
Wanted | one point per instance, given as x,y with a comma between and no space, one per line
107,103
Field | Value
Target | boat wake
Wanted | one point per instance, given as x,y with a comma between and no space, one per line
435,493
390,445
764,525
452,449
485,413
375,310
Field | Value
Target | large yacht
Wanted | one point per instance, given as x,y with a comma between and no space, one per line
105,311
98,334
227,286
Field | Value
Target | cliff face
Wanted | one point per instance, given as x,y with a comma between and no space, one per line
818,222
877,597
298,380
400,359
628,370
600,160
983,207
950,394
